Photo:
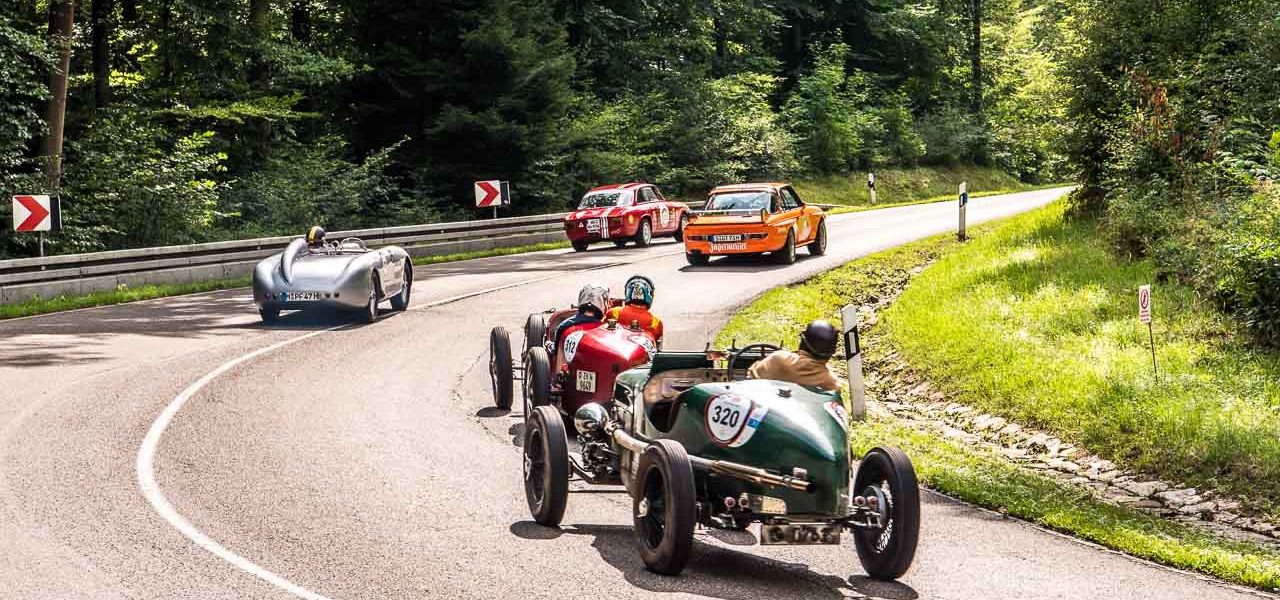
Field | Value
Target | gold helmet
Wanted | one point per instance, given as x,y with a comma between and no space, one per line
315,236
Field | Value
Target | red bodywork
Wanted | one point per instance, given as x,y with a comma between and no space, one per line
603,351
637,202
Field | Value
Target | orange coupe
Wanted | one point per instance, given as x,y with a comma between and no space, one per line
755,218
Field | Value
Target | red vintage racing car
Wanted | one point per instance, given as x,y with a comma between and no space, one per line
583,371
621,213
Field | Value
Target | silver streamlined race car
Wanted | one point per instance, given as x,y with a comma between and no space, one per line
312,273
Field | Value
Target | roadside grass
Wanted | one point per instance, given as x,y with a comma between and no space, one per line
907,186
40,306
975,475
1037,321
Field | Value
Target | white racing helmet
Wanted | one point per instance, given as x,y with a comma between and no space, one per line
595,297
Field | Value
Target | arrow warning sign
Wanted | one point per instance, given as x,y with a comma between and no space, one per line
36,213
492,193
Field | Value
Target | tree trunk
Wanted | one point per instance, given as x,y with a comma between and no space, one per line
101,14
166,41
259,73
975,55
61,28
300,21
721,66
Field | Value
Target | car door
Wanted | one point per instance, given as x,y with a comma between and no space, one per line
668,212
792,208
647,198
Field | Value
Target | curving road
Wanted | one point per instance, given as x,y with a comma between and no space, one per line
156,450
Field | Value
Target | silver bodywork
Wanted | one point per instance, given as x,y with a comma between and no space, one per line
341,276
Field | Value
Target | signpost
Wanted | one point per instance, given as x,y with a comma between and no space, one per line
493,193
964,202
853,353
39,213
1144,316
871,186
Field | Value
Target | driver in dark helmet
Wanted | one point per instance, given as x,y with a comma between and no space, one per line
315,238
808,366
593,300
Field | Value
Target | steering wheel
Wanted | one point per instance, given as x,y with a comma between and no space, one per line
765,349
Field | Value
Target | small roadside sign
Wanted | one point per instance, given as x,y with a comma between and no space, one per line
1144,304
964,203
871,186
36,213
493,193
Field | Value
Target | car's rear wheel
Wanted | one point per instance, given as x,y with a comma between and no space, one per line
787,253
546,466
684,221
663,507
269,314
537,379
579,246
887,552
535,330
500,374
644,235
696,259
401,301
818,246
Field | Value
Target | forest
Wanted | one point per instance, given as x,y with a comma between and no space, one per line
198,120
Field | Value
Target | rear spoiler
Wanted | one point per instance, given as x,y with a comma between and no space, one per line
737,212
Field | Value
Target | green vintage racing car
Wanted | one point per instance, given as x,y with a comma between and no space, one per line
697,444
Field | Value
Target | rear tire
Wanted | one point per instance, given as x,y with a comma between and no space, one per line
535,330
537,379
696,259
269,315
887,553
684,221
644,234
579,246
401,301
663,507
546,466
500,374
818,246
787,253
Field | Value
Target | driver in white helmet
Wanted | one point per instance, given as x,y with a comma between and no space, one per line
593,301
637,298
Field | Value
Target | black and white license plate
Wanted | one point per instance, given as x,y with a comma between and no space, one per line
734,237
593,225
299,296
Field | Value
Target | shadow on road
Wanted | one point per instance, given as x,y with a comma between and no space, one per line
738,263
719,572
534,262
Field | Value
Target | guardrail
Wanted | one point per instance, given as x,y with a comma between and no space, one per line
72,274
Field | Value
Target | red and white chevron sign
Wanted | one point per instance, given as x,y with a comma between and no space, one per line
36,213
492,193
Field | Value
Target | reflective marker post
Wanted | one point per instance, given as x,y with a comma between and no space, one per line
964,203
871,186
1144,316
853,353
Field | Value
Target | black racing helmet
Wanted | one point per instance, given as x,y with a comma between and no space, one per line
819,338
315,236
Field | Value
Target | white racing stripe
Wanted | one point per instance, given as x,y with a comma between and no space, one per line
145,464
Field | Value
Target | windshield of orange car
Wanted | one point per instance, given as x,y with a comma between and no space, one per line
739,201
602,199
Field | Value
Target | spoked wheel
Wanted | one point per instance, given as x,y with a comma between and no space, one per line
535,330
546,466
269,314
371,309
787,253
401,300
684,221
500,367
644,235
663,507
818,246
537,379
886,553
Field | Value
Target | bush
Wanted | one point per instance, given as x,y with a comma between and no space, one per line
1246,264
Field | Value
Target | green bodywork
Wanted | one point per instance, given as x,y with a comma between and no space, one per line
801,429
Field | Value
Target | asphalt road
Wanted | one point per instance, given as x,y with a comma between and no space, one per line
155,450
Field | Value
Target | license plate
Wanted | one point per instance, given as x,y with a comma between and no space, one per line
799,535
727,238
593,226
300,296
586,381
728,247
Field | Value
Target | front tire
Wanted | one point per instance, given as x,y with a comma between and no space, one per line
696,259
818,246
546,466
887,553
684,221
580,246
535,330
537,379
644,235
663,507
401,301
371,309
787,253
269,314
500,374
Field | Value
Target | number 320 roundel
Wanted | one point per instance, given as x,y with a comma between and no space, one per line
732,419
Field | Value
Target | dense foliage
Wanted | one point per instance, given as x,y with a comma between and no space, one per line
196,120
1177,132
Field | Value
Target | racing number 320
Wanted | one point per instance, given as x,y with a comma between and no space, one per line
726,416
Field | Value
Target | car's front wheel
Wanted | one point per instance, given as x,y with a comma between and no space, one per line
401,301
546,466
269,314
535,330
537,379
886,552
663,507
500,374
371,308
818,246
580,246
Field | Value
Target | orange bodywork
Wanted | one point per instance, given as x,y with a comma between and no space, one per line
715,233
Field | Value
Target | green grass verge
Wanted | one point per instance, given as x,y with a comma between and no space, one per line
972,474
906,186
1037,322
40,306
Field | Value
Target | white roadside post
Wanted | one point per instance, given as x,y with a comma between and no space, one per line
964,203
1144,316
871,186
853,354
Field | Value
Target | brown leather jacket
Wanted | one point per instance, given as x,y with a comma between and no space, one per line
800,368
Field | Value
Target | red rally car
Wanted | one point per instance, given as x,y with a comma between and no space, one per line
625,212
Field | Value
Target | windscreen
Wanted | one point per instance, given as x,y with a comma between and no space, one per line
739,201
609,198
